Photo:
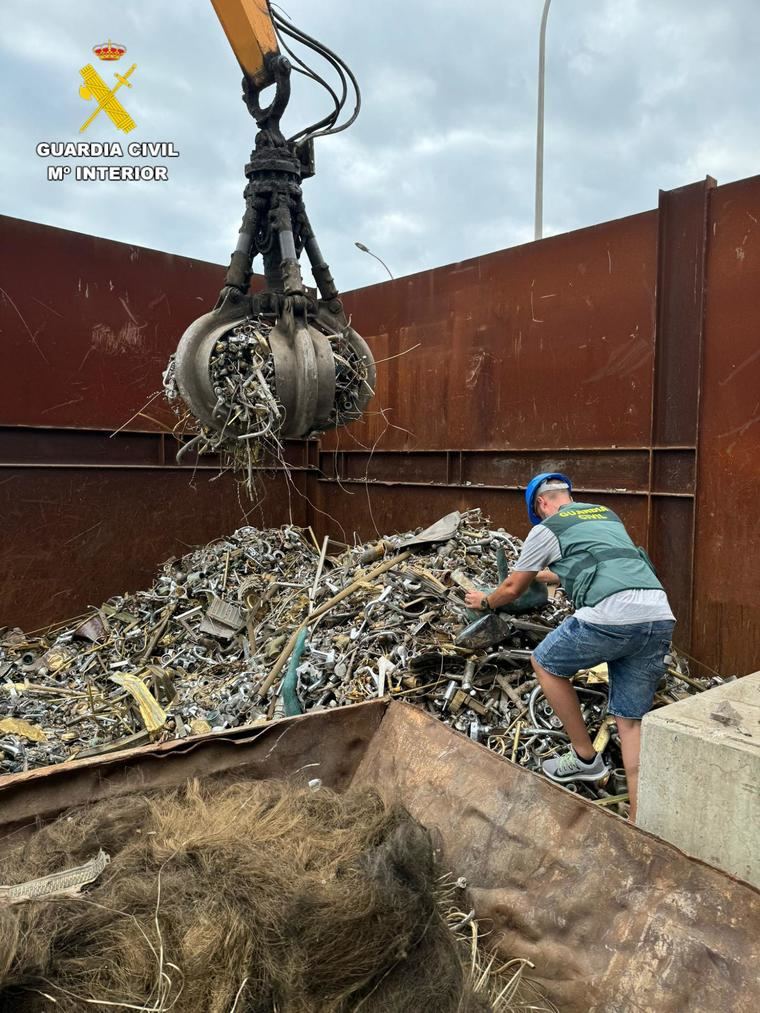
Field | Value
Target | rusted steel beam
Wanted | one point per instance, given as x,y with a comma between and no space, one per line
682,245
33,447
624,471
726,626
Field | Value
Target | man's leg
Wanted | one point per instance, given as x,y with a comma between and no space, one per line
572,647
630,745
564,701
633,683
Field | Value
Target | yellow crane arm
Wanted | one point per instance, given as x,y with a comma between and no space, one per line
250,31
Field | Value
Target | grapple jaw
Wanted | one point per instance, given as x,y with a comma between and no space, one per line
304,365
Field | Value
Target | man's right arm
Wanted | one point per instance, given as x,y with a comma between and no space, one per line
539,549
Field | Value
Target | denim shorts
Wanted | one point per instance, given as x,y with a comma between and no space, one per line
635,656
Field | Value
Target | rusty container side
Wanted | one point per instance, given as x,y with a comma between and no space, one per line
542,356
331,743
91,498
539,346
74,536
535,358
88,325
613,918
378,510
727,600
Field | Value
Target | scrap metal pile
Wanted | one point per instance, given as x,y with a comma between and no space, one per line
269,623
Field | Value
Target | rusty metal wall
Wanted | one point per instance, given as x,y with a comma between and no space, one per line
538,357
624,354
546,356
74,535
87,326
614,919
726,632
541,346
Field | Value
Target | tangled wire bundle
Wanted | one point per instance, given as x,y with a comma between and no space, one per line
350,380
247,410
257,897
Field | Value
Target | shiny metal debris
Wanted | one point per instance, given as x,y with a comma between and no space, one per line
235,409
65,882
229,400
270,623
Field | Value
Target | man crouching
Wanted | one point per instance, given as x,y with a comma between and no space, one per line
622,618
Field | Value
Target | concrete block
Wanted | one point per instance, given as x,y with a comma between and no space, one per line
699,781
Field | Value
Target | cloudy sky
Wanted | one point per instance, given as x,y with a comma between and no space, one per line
641,94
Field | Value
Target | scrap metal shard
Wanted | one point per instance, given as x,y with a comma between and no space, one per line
152,713
67,882
441,531
485,631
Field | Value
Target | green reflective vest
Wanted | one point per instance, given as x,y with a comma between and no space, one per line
598,557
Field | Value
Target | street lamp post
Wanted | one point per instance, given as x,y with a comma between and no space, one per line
539,223
366,249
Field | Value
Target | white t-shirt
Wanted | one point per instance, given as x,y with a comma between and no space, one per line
541,549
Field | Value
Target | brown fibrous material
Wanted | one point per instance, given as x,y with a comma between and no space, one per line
253,897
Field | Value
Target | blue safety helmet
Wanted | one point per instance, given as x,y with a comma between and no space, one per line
535,484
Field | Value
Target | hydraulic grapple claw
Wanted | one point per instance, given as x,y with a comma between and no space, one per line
304,366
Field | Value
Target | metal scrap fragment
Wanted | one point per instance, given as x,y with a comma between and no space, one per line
222,619
25,730
66,882
152,713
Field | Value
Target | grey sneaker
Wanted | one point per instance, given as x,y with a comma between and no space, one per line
570,767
